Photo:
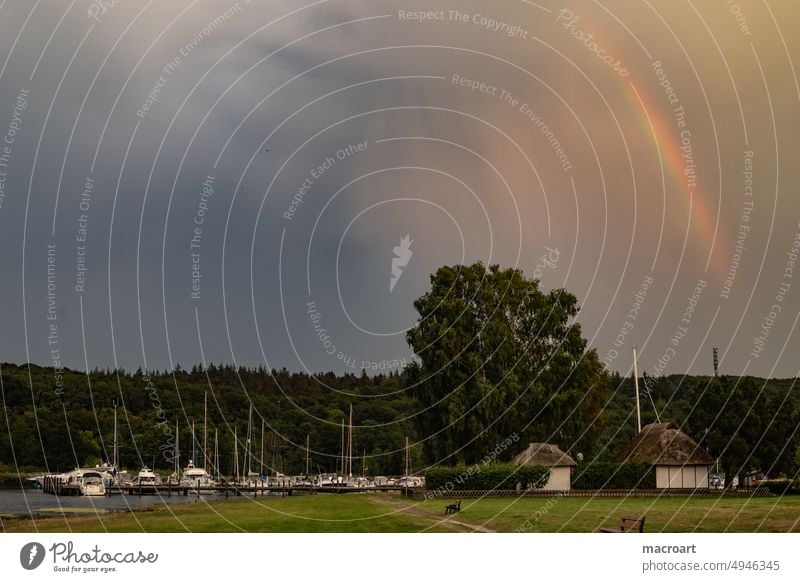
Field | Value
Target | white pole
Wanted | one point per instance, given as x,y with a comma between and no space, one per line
177,452
342,446
115,459
206,456
636,382
261,469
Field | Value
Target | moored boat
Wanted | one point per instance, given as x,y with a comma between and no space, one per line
92,484
197,478
87,482
146,478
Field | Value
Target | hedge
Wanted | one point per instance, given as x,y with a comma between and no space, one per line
782,486
488,476
614,476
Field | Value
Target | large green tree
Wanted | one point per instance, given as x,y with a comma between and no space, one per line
497,356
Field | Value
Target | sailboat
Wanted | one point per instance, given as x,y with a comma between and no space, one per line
215,467
409,480
175,478
109,470
250,477
348,478
236,455
194,477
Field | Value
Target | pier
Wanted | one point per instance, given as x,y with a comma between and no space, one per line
57,485
232,490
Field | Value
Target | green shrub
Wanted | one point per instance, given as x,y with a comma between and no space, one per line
614,476
488,476
782,486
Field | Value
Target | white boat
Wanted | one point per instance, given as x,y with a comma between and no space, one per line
109,473
146,477
122,478
252,479
328,480
89,481
195,477
300,481
410,481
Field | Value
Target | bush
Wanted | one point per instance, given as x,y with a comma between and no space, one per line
489,476
782,486
614,476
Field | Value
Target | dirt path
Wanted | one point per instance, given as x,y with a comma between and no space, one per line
414,509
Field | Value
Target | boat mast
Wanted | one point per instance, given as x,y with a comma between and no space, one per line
350,444
236,453
274,438
247,450
408,459
342,446
261,468
114,453
177,450
636,383
205,431
216,454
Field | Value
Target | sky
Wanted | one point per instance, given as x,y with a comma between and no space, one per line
273,182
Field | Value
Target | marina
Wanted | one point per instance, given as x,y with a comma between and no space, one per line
63,485
193,480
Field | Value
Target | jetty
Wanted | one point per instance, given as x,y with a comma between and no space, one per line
256,489
60,485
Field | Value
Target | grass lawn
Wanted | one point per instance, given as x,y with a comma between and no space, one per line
391,513
317,513
669,514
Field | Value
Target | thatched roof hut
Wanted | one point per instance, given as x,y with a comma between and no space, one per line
664,444
679,461
559,462
545,455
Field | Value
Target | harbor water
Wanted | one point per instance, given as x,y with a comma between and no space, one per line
27,502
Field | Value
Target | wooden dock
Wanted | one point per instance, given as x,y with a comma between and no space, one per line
56,485
231,490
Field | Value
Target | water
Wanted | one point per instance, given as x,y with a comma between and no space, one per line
29,501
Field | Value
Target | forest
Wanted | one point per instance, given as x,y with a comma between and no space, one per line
495,357
43,430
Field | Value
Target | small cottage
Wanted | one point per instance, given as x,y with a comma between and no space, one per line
679,461
560,464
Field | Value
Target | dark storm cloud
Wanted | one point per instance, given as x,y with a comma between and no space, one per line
179,81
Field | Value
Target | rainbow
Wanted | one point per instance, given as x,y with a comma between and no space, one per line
659,125
661,129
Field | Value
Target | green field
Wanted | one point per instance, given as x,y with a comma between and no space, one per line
571,514
391,513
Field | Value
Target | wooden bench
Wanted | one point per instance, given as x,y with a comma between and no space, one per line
453,507
627,524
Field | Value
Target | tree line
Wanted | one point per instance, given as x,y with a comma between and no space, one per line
496,357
